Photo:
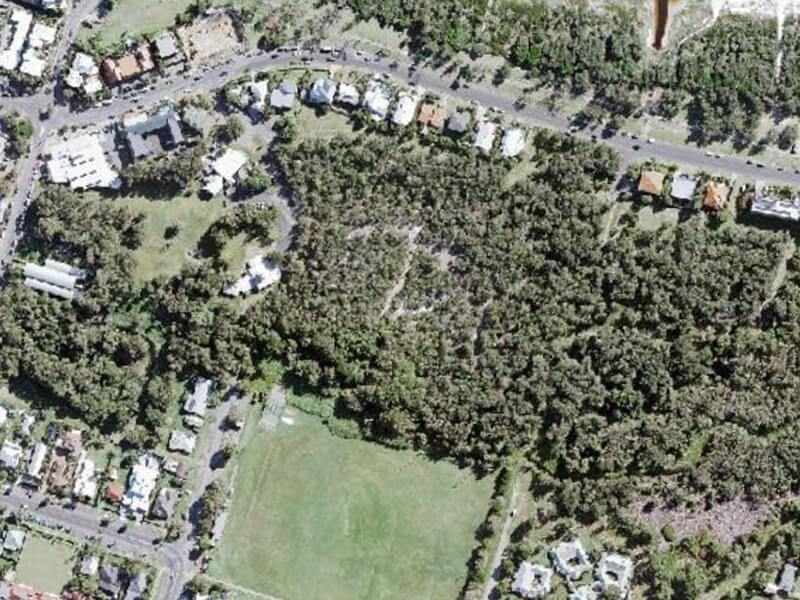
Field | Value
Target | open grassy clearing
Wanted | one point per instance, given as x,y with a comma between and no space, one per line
44,565
345,519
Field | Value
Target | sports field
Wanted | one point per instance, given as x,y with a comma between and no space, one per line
44,565
314,516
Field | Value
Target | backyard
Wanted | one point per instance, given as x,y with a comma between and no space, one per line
346,519
44,565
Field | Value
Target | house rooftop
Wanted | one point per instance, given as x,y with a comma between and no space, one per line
282,97
532,581
683,188
651,182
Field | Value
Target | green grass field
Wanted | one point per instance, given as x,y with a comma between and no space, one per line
315,516
45,566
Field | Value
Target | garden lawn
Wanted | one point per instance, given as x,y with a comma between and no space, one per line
158,255
316,516
46,566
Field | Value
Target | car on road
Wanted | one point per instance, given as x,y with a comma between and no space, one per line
651,141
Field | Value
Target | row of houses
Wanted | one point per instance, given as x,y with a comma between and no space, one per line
24,43
767,203
55,277
569,559
684,188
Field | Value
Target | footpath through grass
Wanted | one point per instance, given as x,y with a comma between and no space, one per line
315,516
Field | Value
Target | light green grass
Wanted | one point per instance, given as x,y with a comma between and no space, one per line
329,124
44,565
315,516
650,220
158,255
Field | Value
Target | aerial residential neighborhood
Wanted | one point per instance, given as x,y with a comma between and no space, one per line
367,300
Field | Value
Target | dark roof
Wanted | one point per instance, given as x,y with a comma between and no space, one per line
164,125
110,579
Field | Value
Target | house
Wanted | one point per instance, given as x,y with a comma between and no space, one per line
767,204
58,477
192,422
348,94
458,122
14,540
484,136
166,46
145,58
28,420
85,487
683,189
129,66
40,37
260,273
570,559
110,580
11,54
404,110
282,97
19,591
137,587
32,475
198,119
715,196
614,571
114,492
430,114
154,134
10,454
112,474
228,164
322,91
532,581
164,504
197,402
69,443
376,100
89,565
3,415
182,441
513,142
786,583
81,162
213,185
651,182
55,278
141,483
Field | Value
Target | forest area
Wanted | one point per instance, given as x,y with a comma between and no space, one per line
723,76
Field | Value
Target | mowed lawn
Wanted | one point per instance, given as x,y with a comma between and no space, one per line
315,516
44,565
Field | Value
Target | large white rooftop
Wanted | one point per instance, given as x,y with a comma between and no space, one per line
82,163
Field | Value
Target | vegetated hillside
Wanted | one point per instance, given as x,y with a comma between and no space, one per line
443,309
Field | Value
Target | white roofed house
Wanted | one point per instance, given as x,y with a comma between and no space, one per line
141,483
484,136
614,571
85,486
223,170
682,190
282,97
377,100
14,540
19,25
10,454
33,61
404,110
260,273
513,142
182,441
197,402
322,91
348,94
84,74
786,583
768,204
570,559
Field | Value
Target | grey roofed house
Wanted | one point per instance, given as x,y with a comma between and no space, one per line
322,91
458,122
532,581
197,401
198,119
182,441
89,565
14,540
164,504
348,94
193,422
166,45
570,559
137,587
154,135
110,579
282,97
767,204
615,570
683,188
35,464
